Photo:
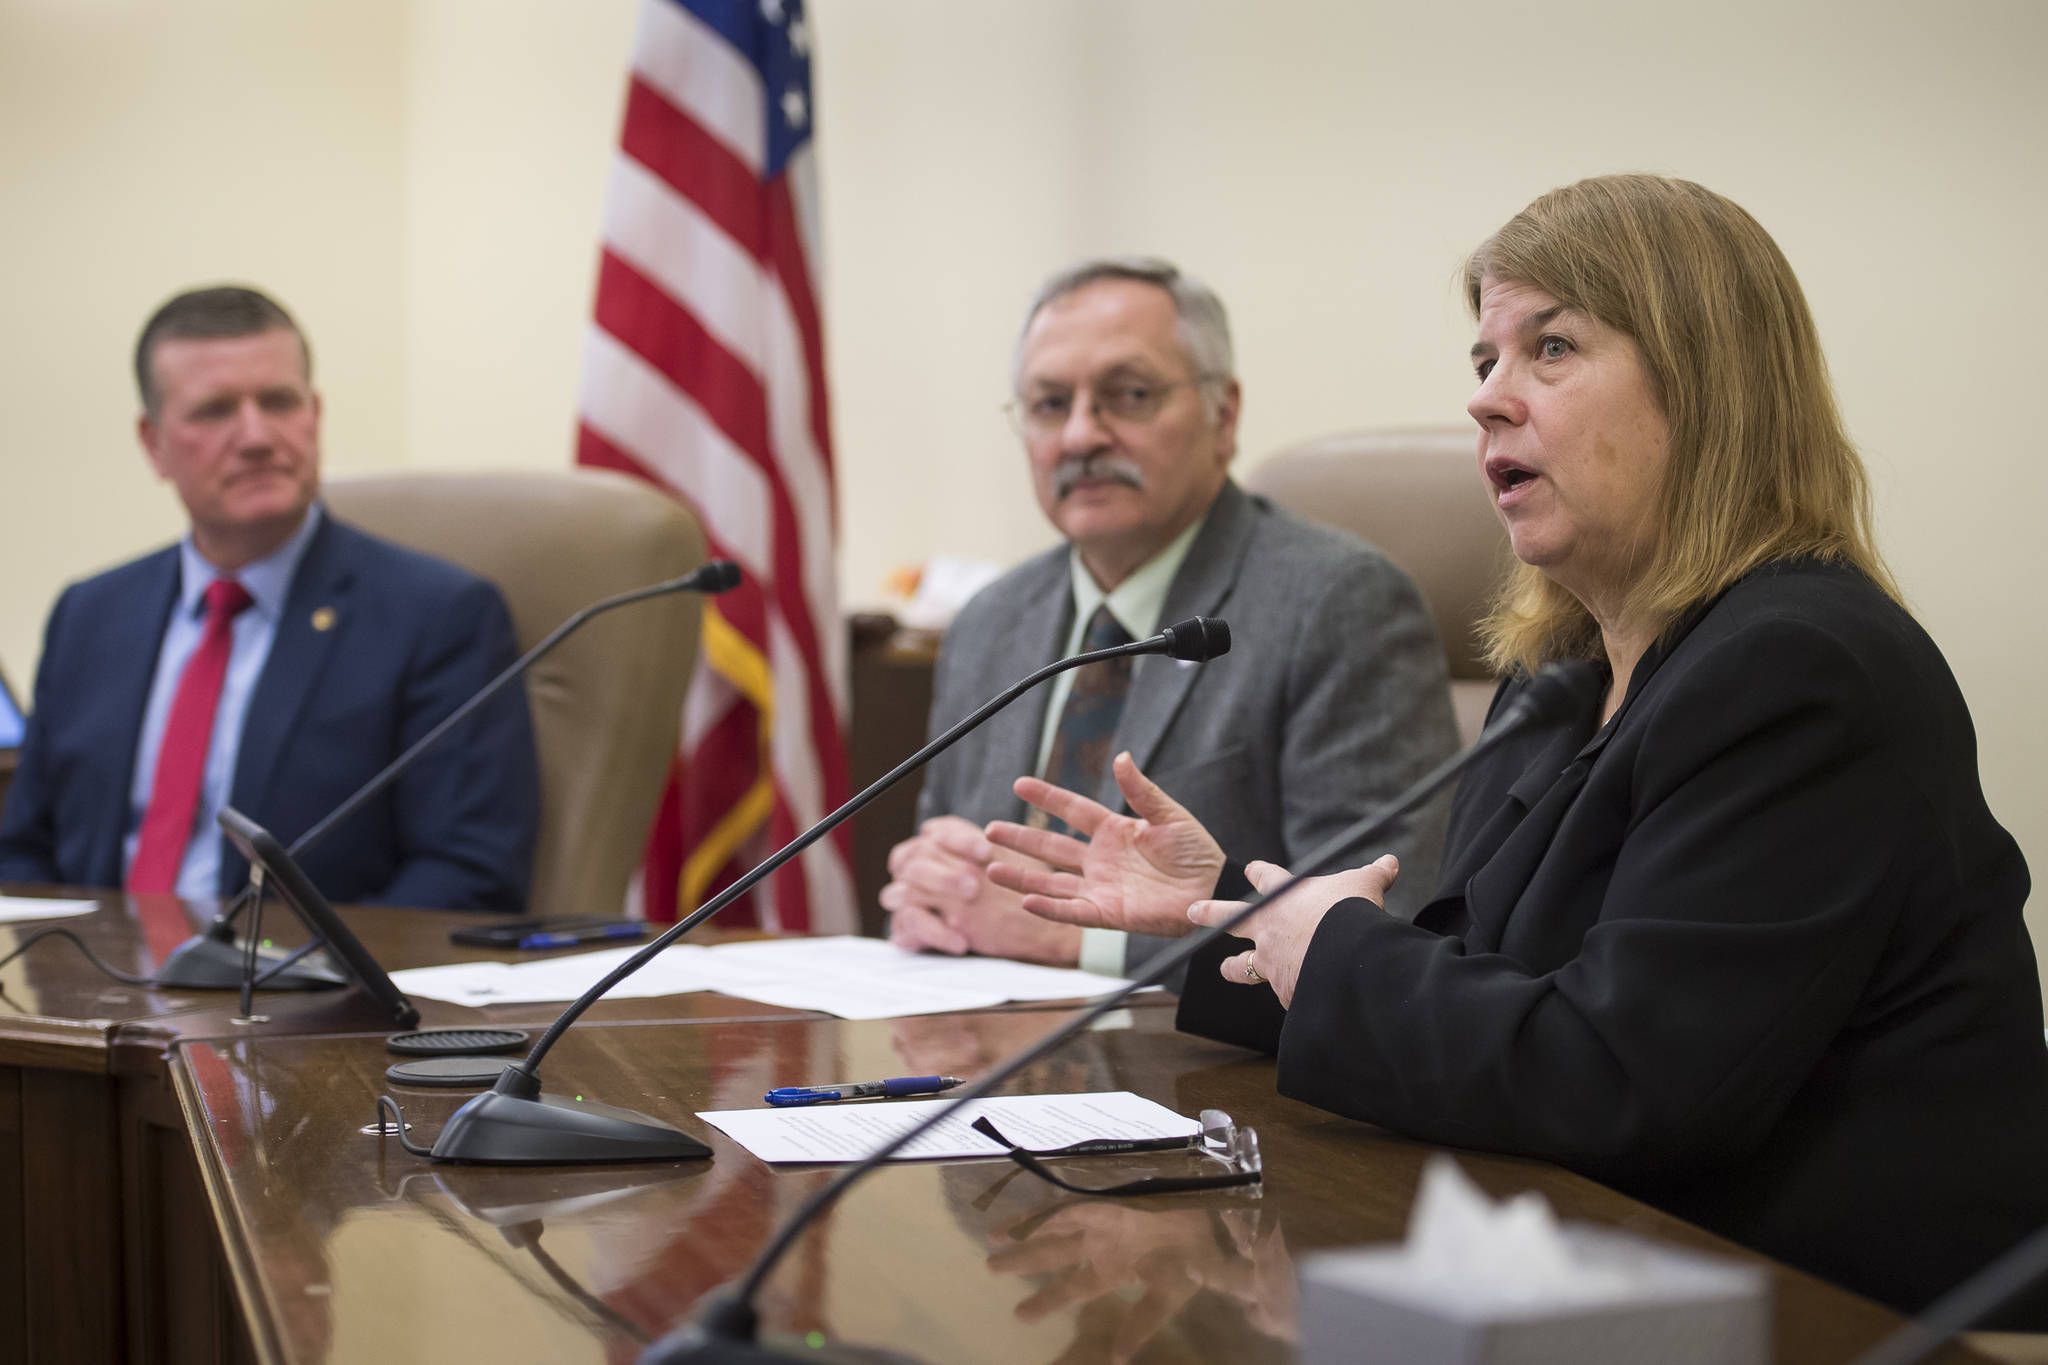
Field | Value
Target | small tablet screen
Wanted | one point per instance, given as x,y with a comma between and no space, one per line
11,723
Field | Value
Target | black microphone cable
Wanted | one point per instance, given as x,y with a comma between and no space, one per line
125,978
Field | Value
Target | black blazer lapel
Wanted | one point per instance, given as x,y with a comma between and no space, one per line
1544,766
1160,685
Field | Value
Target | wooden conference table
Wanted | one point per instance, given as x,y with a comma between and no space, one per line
105,1235
339,1246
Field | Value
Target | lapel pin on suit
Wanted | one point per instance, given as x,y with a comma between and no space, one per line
323,618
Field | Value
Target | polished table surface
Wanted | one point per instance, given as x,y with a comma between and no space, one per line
345,1247
102,1221
58,1010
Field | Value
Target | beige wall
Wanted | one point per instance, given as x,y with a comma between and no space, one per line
421,182
144,147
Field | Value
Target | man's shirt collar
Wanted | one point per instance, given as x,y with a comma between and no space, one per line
268,580
1138,601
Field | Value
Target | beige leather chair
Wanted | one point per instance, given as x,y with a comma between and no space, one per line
608,701
1416,494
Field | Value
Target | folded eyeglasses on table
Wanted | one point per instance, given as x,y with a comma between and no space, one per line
1219,1139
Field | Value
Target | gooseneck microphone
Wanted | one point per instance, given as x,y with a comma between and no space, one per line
1973,1301
514,1123
212,960
726,1336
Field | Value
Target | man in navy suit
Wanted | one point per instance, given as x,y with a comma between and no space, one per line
340,650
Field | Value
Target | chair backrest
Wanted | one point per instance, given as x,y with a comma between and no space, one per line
607,703
1416,494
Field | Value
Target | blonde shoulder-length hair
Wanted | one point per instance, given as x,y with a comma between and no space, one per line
1759,469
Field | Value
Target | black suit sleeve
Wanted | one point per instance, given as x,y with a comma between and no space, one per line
1228,1011
1769,836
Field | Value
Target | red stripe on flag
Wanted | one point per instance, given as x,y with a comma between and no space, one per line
826,737
792,891
741,405
714,776
694,164
788,261
746,610
786,258
594,450
654,326
661,868
668,336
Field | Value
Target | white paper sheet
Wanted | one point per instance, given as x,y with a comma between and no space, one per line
890,969
854,978
674,972
14,908
848,1131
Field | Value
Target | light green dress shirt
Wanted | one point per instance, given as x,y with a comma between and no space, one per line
1136,603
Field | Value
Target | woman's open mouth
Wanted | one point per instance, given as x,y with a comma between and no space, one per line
1507,477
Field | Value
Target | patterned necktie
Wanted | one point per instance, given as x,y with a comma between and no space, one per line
1081,745
181,761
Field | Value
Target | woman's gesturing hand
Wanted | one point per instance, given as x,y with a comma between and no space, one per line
1132,872
1281,931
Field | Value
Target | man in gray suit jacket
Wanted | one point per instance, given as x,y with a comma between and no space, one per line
1332,699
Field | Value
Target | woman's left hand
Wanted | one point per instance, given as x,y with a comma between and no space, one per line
1281,931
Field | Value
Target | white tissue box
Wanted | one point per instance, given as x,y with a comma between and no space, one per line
1677,1308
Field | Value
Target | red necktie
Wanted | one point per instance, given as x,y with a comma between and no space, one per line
181,762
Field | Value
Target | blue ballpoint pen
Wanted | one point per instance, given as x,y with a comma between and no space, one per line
598,934
862,1090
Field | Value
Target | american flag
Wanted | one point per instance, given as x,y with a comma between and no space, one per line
704,373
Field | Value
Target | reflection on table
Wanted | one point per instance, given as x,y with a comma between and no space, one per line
344,1247
105,1240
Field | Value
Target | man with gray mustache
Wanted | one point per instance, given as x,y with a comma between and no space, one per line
1332,699
1068,474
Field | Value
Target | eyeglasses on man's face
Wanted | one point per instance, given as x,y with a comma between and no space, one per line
1219,1139
1045,411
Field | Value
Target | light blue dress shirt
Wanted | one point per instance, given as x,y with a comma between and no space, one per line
268,581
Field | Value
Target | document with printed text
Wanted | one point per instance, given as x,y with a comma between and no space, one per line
848,1131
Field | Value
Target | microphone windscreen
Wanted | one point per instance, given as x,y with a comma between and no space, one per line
720,575
1197,638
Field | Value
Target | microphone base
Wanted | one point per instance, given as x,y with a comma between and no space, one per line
205,963
496,1129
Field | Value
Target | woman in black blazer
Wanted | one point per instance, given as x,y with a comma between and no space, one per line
1741,938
